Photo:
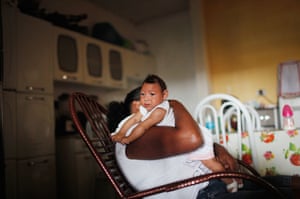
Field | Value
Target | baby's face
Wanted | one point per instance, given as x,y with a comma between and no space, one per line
152,95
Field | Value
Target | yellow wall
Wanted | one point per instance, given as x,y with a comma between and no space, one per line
246,40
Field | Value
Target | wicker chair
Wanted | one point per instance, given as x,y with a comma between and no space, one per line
102,148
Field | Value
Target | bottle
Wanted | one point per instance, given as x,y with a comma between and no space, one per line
288,120
209,124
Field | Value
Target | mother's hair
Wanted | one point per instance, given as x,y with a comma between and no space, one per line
117,111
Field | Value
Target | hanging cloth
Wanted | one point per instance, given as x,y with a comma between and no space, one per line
289,79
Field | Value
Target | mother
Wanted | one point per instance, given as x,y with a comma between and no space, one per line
150,160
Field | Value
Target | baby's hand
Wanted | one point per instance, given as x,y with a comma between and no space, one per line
117,137
125,140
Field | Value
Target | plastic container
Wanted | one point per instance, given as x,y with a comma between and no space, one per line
288,120
209,124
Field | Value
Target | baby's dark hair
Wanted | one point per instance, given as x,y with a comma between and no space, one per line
155,79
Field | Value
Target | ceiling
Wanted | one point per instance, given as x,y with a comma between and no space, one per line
141,11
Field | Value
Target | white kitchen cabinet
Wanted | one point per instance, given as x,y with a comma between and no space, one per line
138,66
115,61
75,168
149,64
78,175
104,64
10,179
104,188
9,124
28,125
68,55
35,125
96,70
9,34
36,178
29,63
85,171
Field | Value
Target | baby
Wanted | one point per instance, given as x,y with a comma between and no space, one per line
155,110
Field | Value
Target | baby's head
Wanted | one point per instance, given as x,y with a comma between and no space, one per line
153,92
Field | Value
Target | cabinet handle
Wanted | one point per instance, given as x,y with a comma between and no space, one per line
66,77
31,88
35,98
34,163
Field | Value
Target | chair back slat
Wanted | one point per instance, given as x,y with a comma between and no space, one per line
97,137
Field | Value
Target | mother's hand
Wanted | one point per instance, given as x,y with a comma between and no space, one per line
225,158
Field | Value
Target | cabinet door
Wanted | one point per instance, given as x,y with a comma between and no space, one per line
36,178
68,55
95,72
10,179
131,62
34,58
104,188
9,124
86,177
9,44
149,64
138,66
115,65
35,125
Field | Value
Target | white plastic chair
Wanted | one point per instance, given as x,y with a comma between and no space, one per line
221,115
256,123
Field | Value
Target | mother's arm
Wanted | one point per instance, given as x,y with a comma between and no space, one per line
160,142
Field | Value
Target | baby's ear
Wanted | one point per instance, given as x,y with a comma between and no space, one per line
165,94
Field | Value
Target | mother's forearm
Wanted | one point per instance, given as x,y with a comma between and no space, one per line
160,142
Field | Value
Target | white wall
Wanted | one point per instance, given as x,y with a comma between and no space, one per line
175,41
172,41
95,15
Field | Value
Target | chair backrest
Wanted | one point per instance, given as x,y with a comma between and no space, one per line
221,115
98,139
256,123
99,142
255,120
